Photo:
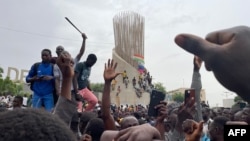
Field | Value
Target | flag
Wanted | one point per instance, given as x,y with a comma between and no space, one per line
138,58
141,67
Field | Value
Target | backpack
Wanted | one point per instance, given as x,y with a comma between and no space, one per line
35,70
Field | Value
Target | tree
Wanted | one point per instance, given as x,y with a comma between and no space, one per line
159,86
97,87
1,72
237,98
9,87
178,97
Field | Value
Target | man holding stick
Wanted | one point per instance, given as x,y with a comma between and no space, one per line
57,72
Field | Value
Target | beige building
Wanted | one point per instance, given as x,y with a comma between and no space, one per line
182,90
228,103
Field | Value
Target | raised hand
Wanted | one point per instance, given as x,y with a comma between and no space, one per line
185,111
86,137
226,53
162,114
197,63
162,111
65,64
109,71
84,36
144,132
192,129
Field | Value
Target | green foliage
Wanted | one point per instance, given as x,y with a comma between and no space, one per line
178,97
237,98
1,72
159,86
9,87
97,87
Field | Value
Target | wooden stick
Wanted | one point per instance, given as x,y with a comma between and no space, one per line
73,25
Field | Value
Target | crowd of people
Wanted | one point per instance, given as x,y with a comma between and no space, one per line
142,84
224,52
6,101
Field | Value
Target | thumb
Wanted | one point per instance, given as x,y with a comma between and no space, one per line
196,45
200,126
117,74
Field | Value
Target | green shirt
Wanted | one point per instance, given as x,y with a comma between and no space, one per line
84,73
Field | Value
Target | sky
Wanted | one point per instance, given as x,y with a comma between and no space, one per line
28,26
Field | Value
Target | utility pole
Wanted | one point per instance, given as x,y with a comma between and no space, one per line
226,94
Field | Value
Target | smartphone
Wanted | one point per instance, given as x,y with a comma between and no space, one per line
189,94
41,76
155,98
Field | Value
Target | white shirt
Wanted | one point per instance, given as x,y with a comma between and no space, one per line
57,73
25,100
205,126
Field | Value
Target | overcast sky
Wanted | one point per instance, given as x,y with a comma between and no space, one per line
28,26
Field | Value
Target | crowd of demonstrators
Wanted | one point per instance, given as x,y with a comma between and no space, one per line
40,73
107,122
17,103
221,51
130,116
142,84
144,80
8,101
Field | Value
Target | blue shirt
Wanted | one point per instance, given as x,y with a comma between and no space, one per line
205,138
42,87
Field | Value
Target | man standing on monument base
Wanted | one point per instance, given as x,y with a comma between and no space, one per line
42,82
81,81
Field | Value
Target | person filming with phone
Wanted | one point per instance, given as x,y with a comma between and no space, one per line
42,79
